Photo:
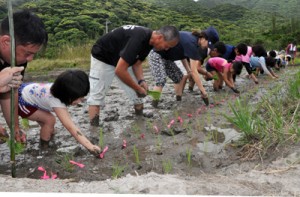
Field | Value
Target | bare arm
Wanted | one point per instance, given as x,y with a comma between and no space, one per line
194,65
186,65
227,77
138,72
65,118
122,72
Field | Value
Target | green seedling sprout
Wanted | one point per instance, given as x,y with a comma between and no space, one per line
189,155
19,147
101,138
167,166
154,94
136,154
215,77
117,171
25,123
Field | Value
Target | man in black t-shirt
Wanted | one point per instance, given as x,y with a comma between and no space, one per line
120,54
30,36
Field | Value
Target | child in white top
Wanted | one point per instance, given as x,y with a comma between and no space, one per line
38,100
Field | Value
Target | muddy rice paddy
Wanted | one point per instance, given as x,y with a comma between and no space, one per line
182,138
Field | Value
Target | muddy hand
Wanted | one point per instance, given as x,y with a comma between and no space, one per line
142,93
20,136
16,81
235,90
95,150
3,135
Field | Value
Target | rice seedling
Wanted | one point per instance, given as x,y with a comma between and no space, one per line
167,166
25,123
101,138
19,147
136,129
154,94
64,162
189,156
158,144
136,155
117,171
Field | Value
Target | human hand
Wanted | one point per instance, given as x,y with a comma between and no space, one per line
142,93
144,85
95,150
235,90
20,136
10,78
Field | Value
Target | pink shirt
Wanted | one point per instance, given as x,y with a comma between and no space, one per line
245,58
219,63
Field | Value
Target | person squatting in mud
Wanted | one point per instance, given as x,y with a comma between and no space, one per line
119,54
162,62
30,37
37,101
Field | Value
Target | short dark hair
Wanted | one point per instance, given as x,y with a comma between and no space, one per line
169,32
272,53
200,34
259,51
70,85
270,62
221,47
28,28
237,67
242,48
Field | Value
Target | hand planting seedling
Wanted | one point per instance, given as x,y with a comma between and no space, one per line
154,94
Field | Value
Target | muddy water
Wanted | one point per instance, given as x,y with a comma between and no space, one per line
184,137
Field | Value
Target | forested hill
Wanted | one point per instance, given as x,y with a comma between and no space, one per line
287,8
80,21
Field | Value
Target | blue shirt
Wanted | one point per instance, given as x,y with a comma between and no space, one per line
229,55
186,48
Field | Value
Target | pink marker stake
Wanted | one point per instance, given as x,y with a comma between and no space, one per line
180,120
103,152
53,176
124,144
45,176
156,129
76,163
171,123
190,115
40,168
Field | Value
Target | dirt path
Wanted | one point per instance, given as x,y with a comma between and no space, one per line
193,157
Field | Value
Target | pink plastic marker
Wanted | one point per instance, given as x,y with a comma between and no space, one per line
53,176
156,129
124,144
189,115
180,120
40,168
76,163
142,136
170,124
103,152
45,176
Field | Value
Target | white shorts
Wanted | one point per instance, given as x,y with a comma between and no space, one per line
101,78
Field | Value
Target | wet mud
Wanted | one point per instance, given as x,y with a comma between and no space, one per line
178,137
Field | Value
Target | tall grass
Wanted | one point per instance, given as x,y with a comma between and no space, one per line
273,121
66,56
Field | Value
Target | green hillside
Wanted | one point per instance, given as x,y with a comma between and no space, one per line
74,22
